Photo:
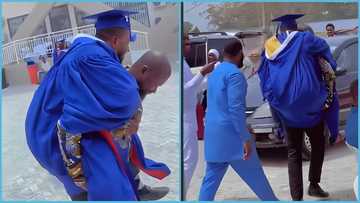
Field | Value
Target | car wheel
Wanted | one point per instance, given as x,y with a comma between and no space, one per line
306,152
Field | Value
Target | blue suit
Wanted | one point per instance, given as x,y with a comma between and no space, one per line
226,132
87,90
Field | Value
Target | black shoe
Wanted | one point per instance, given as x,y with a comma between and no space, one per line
79,197
148,193
316,191
297,199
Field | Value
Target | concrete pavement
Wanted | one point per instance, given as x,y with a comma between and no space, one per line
24,179
339,171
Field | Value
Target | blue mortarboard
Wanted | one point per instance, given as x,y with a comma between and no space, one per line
288,21
113,19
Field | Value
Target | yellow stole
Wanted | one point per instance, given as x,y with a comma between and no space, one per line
271,45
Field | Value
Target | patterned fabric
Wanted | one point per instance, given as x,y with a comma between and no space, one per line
71,150
71,153
329,78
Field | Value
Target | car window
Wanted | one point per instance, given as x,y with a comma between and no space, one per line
197,55
348,58
219,45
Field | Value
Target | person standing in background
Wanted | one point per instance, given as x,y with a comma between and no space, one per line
192,85
330,30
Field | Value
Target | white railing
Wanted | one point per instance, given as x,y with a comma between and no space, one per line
16,51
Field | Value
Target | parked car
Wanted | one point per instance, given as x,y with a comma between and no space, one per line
201,43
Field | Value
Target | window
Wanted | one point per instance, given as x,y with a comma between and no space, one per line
348,58
59,18
198,54
14,23
41,29
79,15
219,44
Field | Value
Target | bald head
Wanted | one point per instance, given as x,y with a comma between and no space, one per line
157,61
151,70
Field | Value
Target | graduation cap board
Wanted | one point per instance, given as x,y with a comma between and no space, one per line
115,18
288,21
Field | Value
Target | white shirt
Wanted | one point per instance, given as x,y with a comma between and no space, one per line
192,85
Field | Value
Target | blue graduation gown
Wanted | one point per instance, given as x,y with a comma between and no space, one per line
225,124
291,82
87,90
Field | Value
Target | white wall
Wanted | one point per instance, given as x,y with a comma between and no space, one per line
12,9
16,74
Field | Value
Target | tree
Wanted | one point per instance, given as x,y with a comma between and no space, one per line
243,16
189,27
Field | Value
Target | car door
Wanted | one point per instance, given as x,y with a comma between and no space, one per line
347,63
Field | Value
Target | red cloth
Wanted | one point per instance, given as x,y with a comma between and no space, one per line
137,157
33,73
200,113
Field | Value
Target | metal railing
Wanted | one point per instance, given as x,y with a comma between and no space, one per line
16,51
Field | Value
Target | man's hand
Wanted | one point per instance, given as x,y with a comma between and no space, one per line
207,68
247,150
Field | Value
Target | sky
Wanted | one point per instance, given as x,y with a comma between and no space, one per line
191,14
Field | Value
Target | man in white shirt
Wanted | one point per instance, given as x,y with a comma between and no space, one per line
192,84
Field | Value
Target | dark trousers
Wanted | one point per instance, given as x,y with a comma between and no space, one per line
295,144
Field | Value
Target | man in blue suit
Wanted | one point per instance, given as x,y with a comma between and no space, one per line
227,139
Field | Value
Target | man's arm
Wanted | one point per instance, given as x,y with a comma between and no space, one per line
318,47
197,80
236,93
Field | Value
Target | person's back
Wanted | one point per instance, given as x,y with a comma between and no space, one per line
227,139
292,83
220,132
285,82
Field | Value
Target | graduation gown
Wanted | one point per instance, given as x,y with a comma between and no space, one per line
87,90
291,80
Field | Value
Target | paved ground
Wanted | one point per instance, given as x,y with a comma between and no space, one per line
339,170
24,179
